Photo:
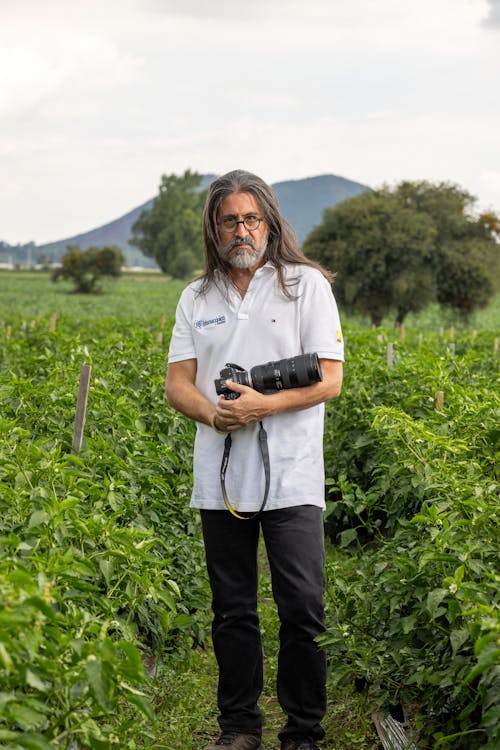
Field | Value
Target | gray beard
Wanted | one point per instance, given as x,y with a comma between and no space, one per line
246,256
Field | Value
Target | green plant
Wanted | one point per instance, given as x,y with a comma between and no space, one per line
414,610
101,560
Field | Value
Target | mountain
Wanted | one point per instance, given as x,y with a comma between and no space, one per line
302,202
117,232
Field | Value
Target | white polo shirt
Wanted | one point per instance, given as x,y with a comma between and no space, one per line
220,327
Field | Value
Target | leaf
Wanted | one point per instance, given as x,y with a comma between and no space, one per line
38,603
167,599
34,741
34,681
99,682
175,588
5,658
98,743
6,734
26,717
107,568
458,638
434,599
347,537
37,518
143,705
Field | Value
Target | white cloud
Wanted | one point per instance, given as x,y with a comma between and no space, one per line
46,52
36,70
492,20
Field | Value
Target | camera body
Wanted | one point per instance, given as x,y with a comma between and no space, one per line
302,370
237,375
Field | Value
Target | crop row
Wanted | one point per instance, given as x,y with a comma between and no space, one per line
101,563
413,499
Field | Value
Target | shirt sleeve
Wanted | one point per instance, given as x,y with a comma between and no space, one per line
182,342
320,327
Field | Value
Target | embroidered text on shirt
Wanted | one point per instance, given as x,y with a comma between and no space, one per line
217,321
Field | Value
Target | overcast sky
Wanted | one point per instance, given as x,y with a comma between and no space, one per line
99,98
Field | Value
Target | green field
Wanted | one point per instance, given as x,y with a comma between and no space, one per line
135,297
142,296
101,560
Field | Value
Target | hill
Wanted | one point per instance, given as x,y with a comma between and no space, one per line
302,202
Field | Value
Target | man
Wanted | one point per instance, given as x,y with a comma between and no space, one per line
259,300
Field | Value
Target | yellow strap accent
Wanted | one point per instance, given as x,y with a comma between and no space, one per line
267,472
232,510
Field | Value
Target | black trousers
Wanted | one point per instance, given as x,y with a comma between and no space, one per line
294,539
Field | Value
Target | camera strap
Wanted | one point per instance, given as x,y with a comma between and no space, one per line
267,473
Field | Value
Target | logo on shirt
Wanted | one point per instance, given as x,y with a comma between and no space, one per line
210,322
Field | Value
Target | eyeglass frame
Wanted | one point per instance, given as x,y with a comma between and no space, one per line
241,221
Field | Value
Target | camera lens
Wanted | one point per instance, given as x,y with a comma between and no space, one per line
304,369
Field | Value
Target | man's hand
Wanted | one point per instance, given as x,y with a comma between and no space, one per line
250,407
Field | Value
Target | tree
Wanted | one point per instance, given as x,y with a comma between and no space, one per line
395,251
170,231
381,252
86,268
466,253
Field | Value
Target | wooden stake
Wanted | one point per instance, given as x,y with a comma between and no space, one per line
389,355
81,407
452,332
439,400
495,346
8,331
163,321
402,332
53,322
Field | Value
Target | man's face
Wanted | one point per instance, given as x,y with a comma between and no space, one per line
239,246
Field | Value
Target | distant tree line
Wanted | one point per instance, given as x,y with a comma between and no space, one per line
18,254
393,251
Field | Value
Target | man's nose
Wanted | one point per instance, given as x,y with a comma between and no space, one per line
241,230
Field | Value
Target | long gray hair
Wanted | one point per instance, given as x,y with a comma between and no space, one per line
282,243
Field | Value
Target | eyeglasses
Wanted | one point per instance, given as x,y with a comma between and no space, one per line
250,222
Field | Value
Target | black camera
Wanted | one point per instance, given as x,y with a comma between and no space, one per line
304,369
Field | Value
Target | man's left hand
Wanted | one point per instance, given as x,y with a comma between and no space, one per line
248,408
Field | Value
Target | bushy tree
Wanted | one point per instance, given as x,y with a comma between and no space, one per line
381,252
395,251
170,231
86,268
466,253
